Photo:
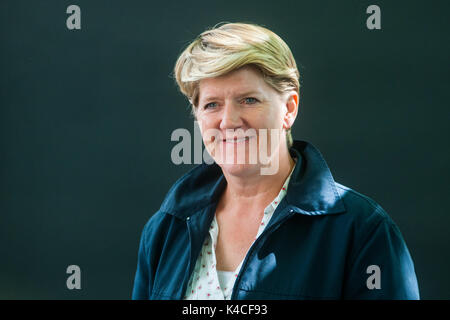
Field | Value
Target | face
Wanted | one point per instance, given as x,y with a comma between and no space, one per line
243,120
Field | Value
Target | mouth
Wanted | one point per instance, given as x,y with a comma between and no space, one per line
236,140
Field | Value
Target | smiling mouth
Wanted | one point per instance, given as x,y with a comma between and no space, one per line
236,140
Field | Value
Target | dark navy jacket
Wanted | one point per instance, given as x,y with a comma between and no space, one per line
320,243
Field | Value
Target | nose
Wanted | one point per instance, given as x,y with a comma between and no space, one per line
231,117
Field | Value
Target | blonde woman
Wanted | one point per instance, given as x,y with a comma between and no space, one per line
230,230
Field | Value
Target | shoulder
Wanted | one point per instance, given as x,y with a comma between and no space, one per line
361,207
155,227
364,218
193,191
374,240
184,196
367,221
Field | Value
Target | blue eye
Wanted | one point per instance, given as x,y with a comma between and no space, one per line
251,100
209,105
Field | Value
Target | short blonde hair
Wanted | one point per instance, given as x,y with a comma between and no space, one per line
228,47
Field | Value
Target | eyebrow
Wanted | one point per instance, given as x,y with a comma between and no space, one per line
240,95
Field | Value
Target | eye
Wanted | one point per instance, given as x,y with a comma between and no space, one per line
251,100
210,105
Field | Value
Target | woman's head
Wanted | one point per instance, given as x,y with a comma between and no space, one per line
244,51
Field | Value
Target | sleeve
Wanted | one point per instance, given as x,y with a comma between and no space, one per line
382,267
141,279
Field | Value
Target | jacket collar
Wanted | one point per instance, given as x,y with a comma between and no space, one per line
311,189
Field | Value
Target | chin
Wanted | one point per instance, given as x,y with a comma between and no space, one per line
240,170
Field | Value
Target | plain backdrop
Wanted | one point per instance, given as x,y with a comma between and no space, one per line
86,117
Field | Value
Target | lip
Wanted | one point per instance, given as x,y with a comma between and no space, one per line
236,140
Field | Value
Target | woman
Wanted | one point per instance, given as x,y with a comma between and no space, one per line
232,230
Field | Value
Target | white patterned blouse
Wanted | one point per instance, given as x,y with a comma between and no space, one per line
208,283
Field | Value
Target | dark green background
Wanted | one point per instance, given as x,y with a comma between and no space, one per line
86,118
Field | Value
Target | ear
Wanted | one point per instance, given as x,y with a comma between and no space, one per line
291,109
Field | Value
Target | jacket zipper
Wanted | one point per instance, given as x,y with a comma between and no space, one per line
265,233
185,284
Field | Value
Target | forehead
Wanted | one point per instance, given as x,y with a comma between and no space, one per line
243,80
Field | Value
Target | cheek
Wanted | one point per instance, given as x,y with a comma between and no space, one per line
206,122
272,119
202,124
278,117
208,132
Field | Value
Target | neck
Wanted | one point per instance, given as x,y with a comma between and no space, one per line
255,191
